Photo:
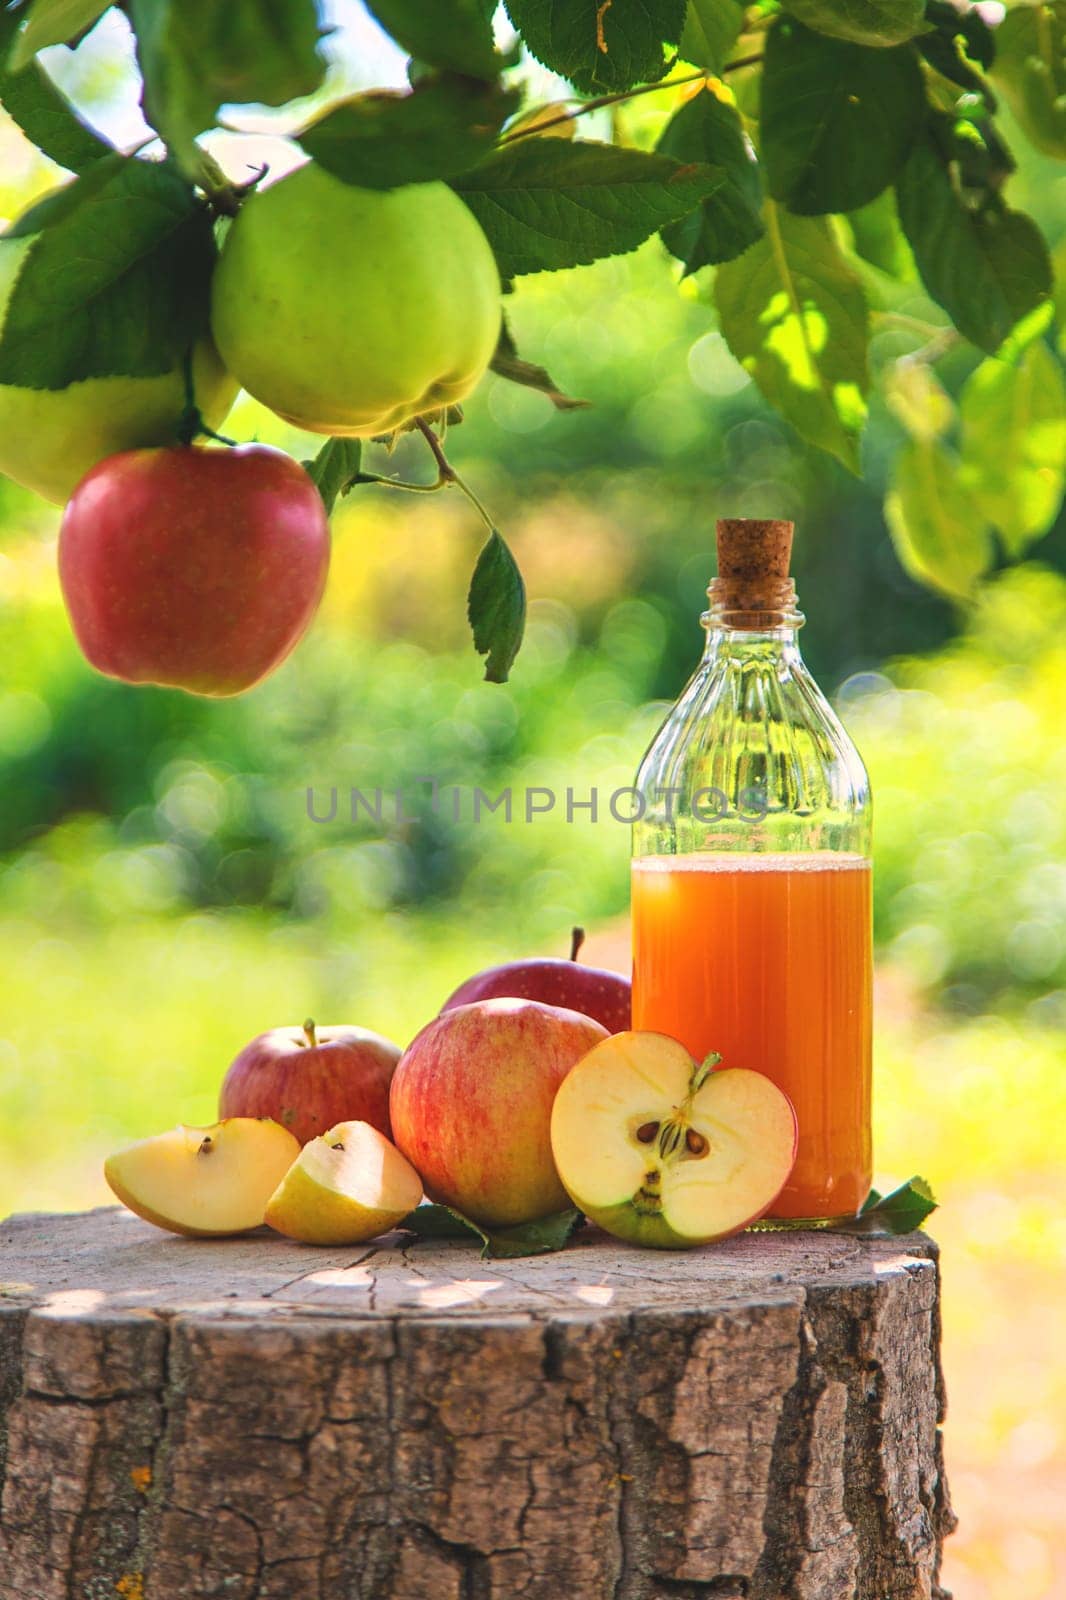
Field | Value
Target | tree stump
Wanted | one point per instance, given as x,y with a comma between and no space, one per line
251,1419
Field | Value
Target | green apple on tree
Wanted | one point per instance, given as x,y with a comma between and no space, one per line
346,1186
204,1181
49,438
352,311
665,1151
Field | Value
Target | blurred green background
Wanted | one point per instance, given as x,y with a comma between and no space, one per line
164,895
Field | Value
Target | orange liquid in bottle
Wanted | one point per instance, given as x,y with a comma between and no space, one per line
767,959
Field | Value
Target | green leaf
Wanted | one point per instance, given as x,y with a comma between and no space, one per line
116,280
988,268
455,35
46,116
53,22
871,22
546,203
942,52
335,469
918,401
601,47
901,1211
196,55
837,119
794,315
938,532
507,363
496,607
1014,444
706,129
528,1239
710,32
1030,68
878,238
379,140
965,23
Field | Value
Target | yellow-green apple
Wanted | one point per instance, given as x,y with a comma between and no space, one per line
49,438
347,1186
197,569
471,1105
600,994
663,1150
310,1078
352,311
204,1181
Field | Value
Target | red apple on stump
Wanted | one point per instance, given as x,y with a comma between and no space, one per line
309,1079
193,568
602,995
471,1105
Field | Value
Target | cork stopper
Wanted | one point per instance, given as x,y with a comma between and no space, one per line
753,588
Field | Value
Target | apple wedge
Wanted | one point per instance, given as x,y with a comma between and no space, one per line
347,1186
204,1182
661,1150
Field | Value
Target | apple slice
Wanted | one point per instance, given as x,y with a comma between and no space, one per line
204,1181
663,1151
347,1186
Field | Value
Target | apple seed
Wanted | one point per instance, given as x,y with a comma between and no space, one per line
647,1131
695,1143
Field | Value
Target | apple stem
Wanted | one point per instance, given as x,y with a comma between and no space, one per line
446,473
309,1033
701,1073
577,939
191,424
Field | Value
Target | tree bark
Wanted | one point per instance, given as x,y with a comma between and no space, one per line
249,1419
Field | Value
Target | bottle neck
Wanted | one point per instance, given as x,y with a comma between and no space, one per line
734,632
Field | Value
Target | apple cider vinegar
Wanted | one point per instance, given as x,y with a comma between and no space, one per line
752,928
766,959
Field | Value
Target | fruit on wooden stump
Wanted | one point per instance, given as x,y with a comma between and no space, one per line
662,1150
204,1181
471,1105
49,438
193,568
311,1078
347,1186
351,311
600,994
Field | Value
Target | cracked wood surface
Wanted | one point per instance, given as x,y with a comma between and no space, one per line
250,1419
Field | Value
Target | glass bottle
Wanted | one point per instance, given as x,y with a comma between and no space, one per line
751,877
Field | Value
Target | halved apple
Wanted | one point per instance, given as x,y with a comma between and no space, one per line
204,1181
347,1186
661,1150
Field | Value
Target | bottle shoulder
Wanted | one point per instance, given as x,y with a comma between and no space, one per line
753,740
